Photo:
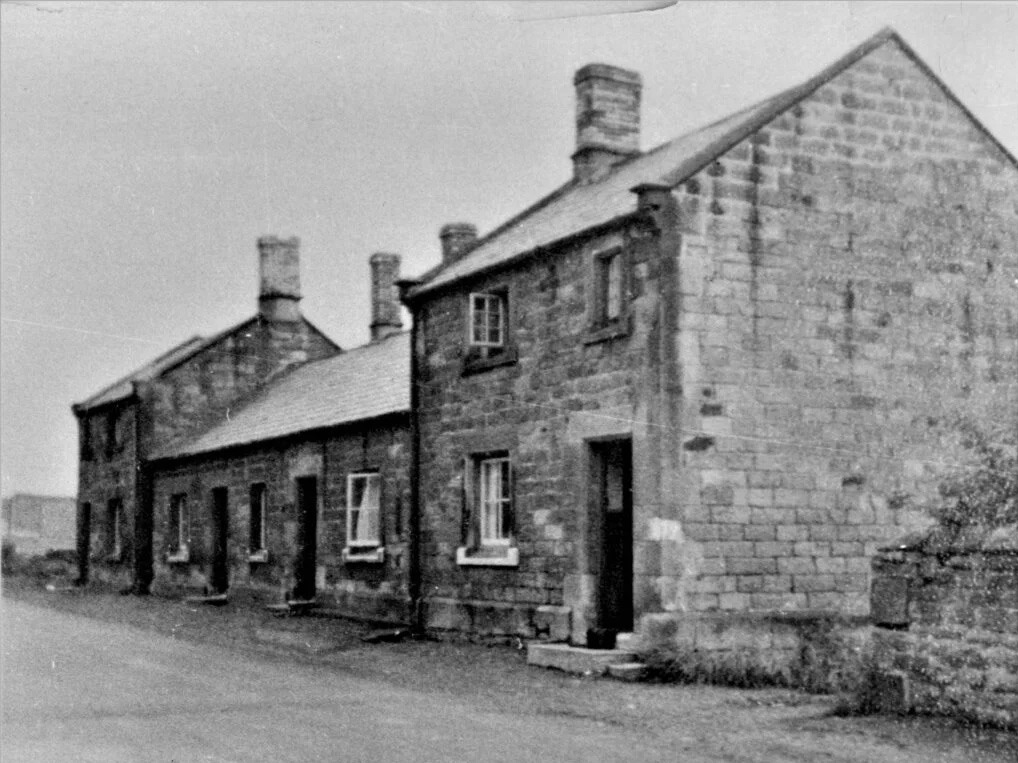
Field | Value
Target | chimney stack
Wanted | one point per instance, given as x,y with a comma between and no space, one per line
279,261
457,239
607,119
385,305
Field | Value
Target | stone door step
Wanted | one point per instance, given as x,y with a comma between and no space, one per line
213,599
628,671
294,607
576,659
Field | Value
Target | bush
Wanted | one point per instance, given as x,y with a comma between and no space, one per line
986,491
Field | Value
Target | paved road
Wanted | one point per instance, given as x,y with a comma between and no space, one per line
79,690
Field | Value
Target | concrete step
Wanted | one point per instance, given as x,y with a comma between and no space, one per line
576,659
627,642
628,671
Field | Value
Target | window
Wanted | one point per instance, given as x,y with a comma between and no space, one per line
257,543
488,336
487,320
114,536
494,501
609,287
488,512
362,510
114,443
86,438
180,528
609,317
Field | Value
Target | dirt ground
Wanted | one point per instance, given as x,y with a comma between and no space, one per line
794,725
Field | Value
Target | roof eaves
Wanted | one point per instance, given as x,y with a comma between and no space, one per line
182,453
89,402
544,201
426,289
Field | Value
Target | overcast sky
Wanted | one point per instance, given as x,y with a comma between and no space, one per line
145,147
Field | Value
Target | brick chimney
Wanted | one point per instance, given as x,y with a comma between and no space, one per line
607,119
385,305
457,239
279,262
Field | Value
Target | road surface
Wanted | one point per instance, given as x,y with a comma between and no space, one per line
77,690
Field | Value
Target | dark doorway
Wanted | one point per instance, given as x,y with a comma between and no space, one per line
613,532
219,579
84,540
307,538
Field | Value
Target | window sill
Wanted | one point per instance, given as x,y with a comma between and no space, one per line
258,557
614,330
364,555
182,556
488,557
474,364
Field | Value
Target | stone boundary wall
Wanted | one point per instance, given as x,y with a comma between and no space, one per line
946,612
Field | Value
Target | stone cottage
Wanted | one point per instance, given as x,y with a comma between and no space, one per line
302,492
180,393
691,391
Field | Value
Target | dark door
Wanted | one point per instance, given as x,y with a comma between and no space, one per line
614,503
220,573
307,538
84,540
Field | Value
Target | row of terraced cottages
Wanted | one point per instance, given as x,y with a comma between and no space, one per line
688,393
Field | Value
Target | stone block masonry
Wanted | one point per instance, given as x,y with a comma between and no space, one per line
364,587
805,320
847,287
954,630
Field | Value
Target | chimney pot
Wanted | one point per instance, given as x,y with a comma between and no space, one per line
279,265
457,239
607,119
385,305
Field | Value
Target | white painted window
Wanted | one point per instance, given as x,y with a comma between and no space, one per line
363,525
487,320
495,501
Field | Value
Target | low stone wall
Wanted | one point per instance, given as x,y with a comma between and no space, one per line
946,611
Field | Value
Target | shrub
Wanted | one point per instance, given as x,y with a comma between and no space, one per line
984,492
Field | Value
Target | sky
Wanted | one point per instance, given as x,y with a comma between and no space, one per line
144,147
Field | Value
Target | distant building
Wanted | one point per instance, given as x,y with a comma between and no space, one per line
36,524
179,394
689,393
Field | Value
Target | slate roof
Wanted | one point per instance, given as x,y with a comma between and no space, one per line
363,383
575,208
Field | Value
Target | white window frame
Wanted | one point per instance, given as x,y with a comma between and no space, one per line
371,478
494,495
480,319
180,527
